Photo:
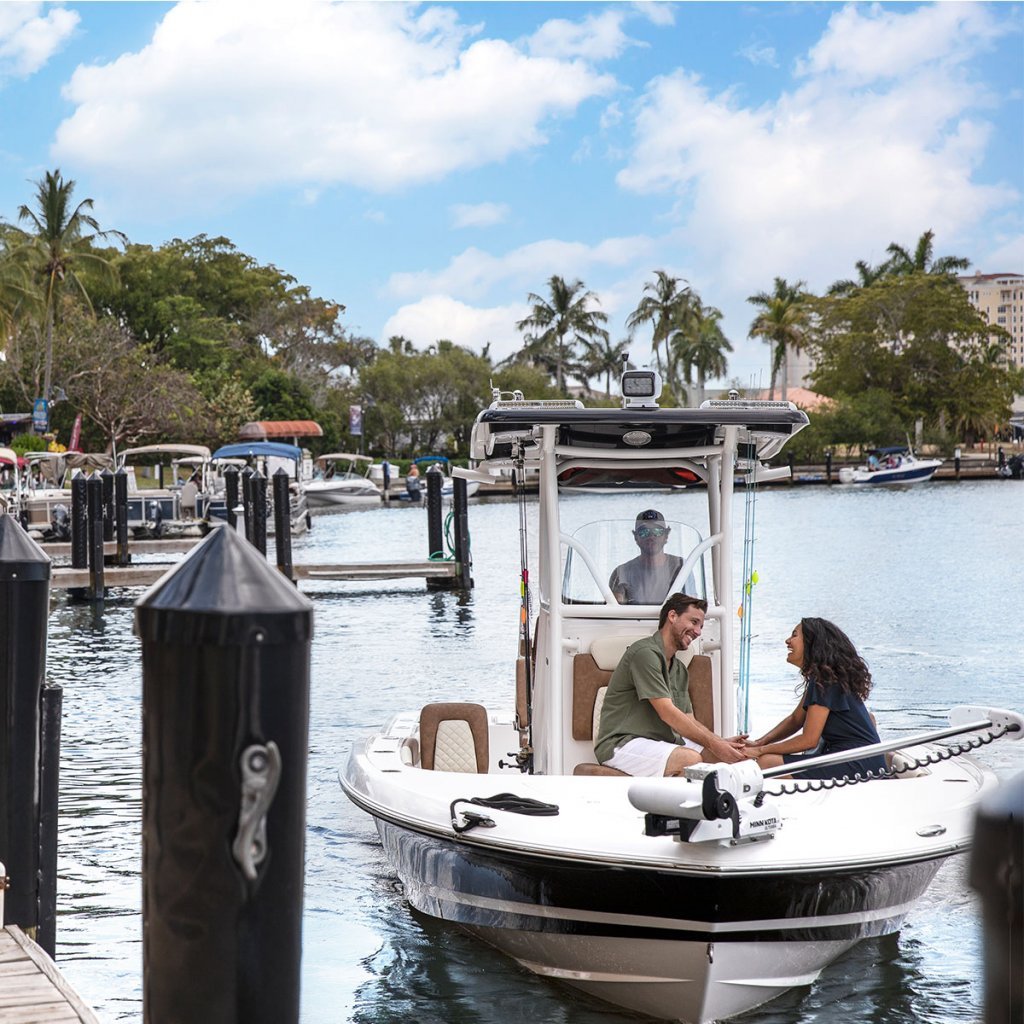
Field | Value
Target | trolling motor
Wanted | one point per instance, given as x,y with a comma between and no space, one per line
722,802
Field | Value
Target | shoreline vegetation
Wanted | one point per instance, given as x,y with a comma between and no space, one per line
189,340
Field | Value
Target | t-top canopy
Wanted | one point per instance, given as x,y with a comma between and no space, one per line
255,449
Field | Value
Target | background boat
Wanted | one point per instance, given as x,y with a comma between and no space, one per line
342,479
893,465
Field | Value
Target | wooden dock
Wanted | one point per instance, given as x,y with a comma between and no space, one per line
144,575
32,989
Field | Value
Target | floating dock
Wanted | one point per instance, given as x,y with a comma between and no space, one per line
32,989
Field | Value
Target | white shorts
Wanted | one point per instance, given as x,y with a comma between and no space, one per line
642,756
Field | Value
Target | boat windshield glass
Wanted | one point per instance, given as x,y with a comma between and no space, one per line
638,570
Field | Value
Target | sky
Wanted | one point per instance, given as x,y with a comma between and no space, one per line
431,165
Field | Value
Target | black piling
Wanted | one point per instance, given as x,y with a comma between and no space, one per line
94,493
52,701
259,511
283,523
461,533
997,873
956,463
828,467
121,516
435,527
225,659
247,502
231,494
79,521
107,479
24,607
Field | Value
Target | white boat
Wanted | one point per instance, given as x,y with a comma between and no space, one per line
178,505
893,465
341,483
691,898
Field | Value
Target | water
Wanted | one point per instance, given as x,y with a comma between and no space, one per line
927,582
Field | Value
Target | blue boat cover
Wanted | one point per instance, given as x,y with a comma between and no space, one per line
248,449
431,458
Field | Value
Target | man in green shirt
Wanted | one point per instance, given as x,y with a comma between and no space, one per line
647,723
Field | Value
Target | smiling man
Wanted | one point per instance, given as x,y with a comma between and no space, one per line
647,722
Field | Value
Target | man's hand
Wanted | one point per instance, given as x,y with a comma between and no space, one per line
726,751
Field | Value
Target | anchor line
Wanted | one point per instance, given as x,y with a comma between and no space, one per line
945,754
499,802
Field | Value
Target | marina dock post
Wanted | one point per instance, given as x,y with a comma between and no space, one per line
247,500
435,526
50,708
956,462
24,609
107,479
94,506
996,873
461,531
828,466
226,645
259,511
283,524
231,494
79,522
121,516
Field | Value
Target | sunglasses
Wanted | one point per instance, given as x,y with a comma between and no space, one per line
651,531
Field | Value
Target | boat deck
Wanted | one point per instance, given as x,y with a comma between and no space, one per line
32,989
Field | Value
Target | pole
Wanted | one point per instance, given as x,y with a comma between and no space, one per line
94,492
231,493
79,522
24,608
49,799
283,523
247,500
956,462
258,483
435,528
461,523
107,479
226,647
121,515
828,466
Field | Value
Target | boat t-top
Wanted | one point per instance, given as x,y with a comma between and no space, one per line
691,898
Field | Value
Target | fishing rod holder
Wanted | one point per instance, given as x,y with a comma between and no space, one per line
712,803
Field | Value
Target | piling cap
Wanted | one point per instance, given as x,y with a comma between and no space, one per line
224,593
21,558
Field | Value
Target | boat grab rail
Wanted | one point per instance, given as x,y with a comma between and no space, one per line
1008,722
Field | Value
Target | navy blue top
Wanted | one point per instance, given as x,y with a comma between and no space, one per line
848,725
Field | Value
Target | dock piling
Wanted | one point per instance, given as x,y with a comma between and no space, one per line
121,516
94,506
283,523
461,531
51,704
259,511
79,522
435,526
226,647
231,494
107,480
24,608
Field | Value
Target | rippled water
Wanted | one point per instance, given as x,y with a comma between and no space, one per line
927,581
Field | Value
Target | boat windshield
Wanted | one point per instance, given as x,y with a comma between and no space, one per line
637,571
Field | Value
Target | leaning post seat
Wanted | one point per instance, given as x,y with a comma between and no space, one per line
453,738
590,675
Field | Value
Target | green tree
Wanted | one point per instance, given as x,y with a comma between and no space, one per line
604,357
782,323
563,321
867,275
58,251
664,308
699,345
921,261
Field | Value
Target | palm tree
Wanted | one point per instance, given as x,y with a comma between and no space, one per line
902,262
564,316
604,357
664,307
59,244
867,275
701,345
781,323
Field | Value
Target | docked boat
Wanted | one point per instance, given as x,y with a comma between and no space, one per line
46,498
342,479
178,504
267,458
893,465
691,898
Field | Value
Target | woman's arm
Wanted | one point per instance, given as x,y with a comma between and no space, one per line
807,739
789,725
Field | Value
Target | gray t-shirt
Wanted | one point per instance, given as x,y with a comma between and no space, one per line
644,584
642,673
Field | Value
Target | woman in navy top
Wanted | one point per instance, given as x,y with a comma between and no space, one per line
831,716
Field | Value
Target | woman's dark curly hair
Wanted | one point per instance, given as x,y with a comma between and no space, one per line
831,659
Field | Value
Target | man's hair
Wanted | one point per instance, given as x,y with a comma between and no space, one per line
678,603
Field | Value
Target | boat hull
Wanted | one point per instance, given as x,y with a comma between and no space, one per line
694,946
339,498
916,473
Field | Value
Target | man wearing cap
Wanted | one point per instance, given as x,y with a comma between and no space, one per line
647,723
647,578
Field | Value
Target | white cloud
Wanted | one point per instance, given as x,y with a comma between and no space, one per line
828,173
479,215
657,12
440,316
373,95
757,53
596,37
474,273
28,39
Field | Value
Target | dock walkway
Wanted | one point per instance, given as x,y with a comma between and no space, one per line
32,989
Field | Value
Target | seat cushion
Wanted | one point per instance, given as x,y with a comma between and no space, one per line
453,737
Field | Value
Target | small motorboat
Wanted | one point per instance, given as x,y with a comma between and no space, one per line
893,465
692,898
342,479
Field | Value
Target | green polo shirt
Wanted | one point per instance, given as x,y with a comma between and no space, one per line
642,673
